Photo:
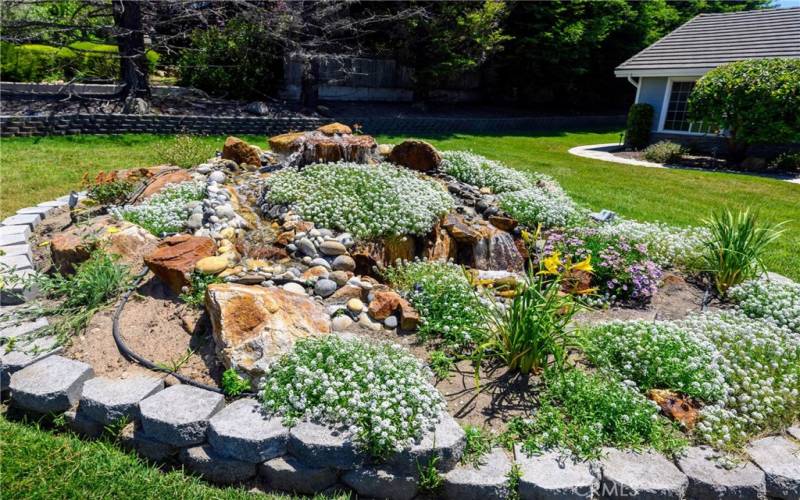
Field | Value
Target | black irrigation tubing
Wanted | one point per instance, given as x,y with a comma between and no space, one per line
132,356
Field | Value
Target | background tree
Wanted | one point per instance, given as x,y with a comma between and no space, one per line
754,101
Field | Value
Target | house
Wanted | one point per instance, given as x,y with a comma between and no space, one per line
665,73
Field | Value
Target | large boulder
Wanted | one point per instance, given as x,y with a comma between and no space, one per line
253,326
416,155
161,180
239,151
177,256
369,255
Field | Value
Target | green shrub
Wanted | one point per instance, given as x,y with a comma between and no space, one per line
379,391
584,412
99,60
447,304
788,162
754,101
184,151
241,60
735,247
666,152
111,193
655,356
365,200
34,63
640,121
530,333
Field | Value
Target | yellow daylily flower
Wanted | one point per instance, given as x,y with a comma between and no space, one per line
551,264
584,265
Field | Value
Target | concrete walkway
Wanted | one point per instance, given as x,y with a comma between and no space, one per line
604,152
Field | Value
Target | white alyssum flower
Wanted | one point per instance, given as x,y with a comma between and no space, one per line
666,245
779,302
537,205
480,171
387,401
165,211
365,200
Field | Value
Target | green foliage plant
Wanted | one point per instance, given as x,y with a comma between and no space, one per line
666,152
584,412
115,192
195,296
34,62
531,333
430,479
183,150
640,122
442,364
478,444
786,162
736,246
233,384
753,101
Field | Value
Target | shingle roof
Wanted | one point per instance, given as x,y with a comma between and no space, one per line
710,40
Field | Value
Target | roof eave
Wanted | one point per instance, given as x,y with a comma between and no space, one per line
655,72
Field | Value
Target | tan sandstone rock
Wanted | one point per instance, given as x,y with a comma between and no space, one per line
286,143
253,326
239,151
177,256
335,128
159,181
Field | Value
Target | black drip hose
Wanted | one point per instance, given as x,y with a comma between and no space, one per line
132,356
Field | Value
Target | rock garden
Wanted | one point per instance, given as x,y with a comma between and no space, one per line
333,314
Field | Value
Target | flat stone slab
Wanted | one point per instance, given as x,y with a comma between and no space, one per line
214,467
15,329
13,239
54,203
8,229
287,473
18,262
708,479
554,475
133,438
794,431
51,385
446,440
646,475
320,446
42,211
30,220
487,481
242,431
179,415
779,458
14,361
109,400
381,483
21,249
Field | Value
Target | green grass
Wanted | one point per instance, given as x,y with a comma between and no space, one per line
37,169
38,463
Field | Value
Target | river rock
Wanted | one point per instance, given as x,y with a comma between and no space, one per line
253,326
344,263
325,287
416,155
177,256
212,265
332,247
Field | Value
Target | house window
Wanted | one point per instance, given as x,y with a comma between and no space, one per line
677,118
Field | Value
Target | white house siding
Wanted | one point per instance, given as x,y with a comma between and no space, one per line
651,91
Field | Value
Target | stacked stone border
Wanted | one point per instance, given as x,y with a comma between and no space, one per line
11,126
233,442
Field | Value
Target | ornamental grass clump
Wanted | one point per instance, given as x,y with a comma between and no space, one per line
543,206
760,363
735,247
584,412
480,171
656,355
778,302
166,211
378,391
365,200
445,300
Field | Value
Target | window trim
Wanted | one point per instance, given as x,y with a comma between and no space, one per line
665,107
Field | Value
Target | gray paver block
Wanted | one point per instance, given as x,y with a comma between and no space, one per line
179,415
14,329
709,480
446,441
108,400
21,249
13,293
52,384
214,467
133,438
18,262
381,483
320,446
83,425
13,239
242,431
7,230
779,458
30,220
54,203
287,473
487,481
794,431
42,211
553,475
646,475
12,362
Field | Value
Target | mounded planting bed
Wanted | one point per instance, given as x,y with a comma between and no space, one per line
401,322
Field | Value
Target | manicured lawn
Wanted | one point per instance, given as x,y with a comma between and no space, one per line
37,169
37,463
